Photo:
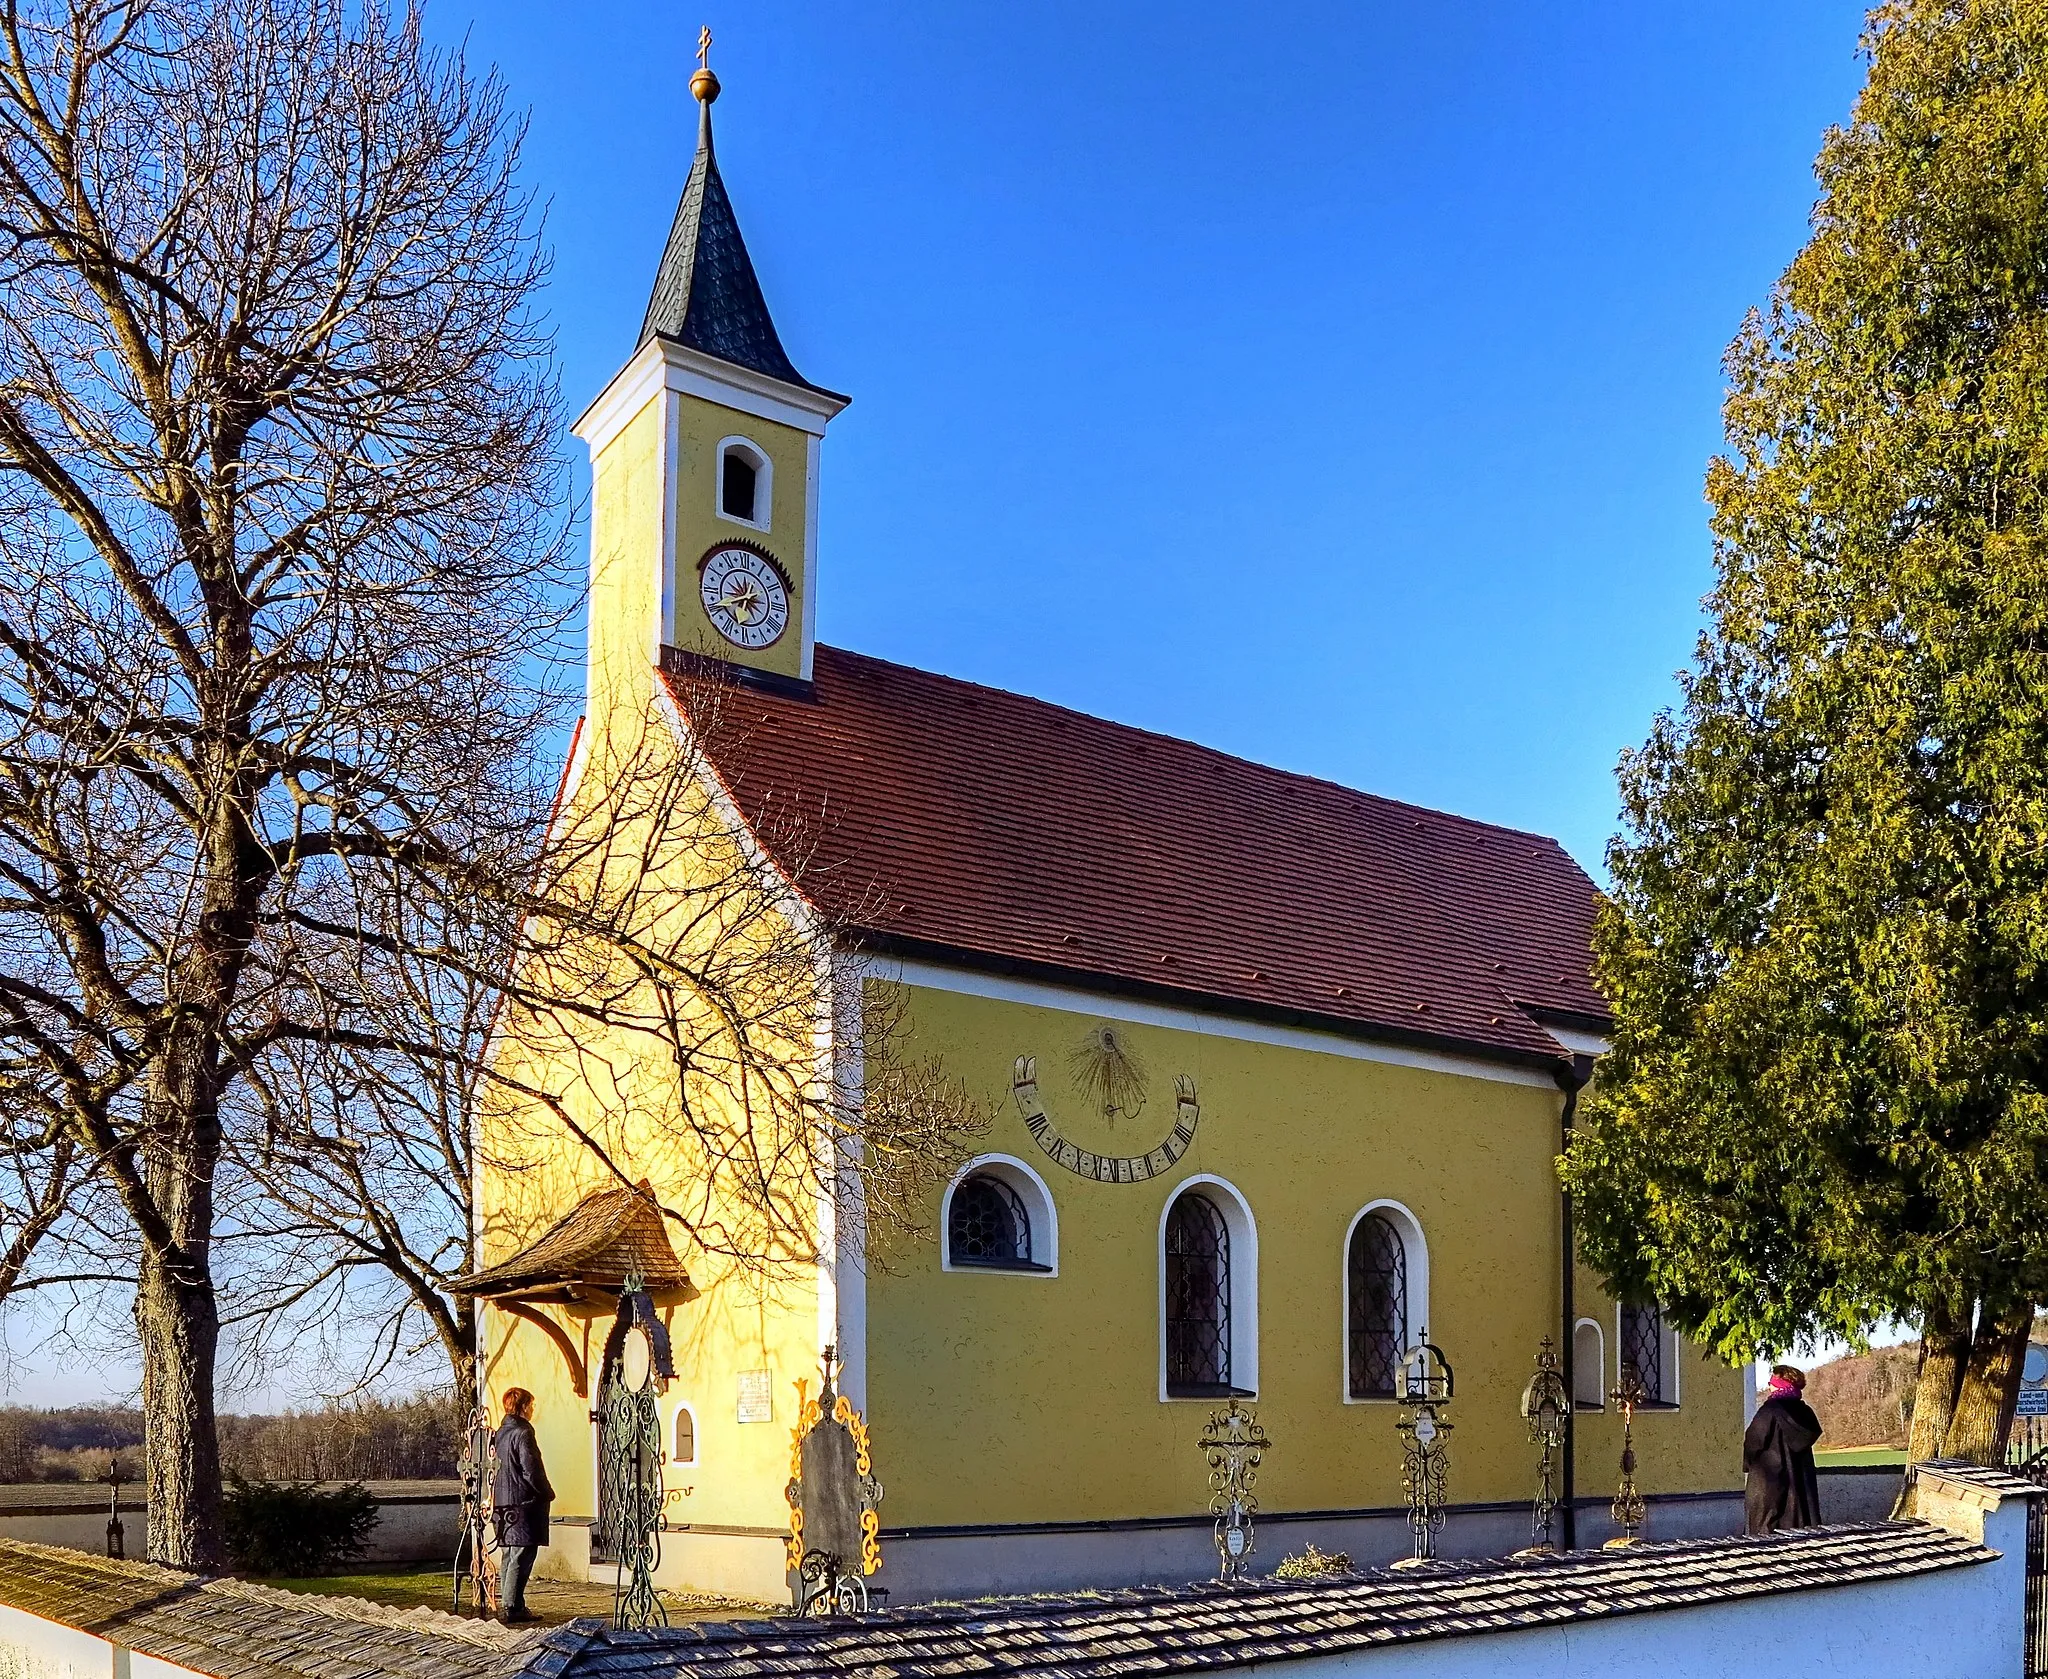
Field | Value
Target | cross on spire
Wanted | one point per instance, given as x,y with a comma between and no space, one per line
704,46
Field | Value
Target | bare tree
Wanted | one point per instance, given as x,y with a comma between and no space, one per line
284,898
650,988
280,510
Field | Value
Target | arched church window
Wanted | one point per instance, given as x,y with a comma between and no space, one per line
989,1224
745,483
1589,1366
685,1453
1377,1275
1197,1298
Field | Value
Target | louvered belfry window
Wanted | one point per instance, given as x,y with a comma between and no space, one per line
1197,1298
1642,1344
989,1224
1378,1278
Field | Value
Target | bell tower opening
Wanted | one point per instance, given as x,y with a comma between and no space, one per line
738,478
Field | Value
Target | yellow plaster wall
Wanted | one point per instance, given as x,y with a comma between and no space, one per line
654,831
1669,1449
700,527
747,1318
1000,1397
625,563
743,1320
618,1087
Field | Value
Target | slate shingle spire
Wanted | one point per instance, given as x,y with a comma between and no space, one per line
706,296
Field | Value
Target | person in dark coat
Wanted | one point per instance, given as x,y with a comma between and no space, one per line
1777,1456
520,1498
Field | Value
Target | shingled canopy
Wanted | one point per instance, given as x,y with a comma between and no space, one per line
607,1237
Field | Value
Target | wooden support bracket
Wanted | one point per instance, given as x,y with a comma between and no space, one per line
578,1377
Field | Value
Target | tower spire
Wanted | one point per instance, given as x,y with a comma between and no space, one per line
706,295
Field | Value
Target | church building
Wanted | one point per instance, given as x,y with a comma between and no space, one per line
1273,1075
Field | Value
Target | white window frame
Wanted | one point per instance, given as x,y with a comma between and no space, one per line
1244,1283
1032,1190
764,482
1416,1247
1671,1345
685,1409
1600,1360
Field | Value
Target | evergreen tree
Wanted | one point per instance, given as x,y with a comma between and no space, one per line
1827,943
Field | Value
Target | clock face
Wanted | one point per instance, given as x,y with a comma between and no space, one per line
744,597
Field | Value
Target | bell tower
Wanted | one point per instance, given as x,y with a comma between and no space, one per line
704,466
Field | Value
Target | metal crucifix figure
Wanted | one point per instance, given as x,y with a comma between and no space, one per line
1628,1508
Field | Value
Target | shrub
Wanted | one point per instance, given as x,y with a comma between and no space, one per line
1312,1564
294,1528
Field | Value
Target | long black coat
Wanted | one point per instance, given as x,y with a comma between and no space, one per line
1777,1456
520,1490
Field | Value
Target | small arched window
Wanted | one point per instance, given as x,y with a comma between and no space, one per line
746,482
1197,1298
997,1215
685,1452
1377,1278
988,1224
736,487
1589,1366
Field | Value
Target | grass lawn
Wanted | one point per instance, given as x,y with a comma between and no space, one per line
408,1586
1855,1457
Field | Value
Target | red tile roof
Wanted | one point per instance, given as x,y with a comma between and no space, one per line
930,816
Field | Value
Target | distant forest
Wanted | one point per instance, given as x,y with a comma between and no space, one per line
1865,1399
416,1439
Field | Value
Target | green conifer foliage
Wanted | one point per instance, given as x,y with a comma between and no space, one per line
1827,944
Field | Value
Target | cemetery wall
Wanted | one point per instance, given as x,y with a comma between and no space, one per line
411,1526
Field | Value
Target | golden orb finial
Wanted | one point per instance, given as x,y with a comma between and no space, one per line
704,84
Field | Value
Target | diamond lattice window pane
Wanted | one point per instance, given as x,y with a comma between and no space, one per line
1378,1263
1197,1296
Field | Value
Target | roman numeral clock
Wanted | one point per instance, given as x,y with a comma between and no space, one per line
745,594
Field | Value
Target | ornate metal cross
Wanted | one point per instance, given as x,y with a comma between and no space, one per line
704,47
1235,1443
475,1568
1628,1508
1546,1407
1425,1442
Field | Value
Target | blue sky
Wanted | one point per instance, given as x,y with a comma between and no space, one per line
1332,384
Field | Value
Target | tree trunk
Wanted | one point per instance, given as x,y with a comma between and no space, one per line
178,1320
1945,1346
177,1317
1991,1384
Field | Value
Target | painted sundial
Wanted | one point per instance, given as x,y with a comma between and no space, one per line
1112,1081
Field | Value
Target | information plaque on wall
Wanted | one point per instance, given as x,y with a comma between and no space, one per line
757,1401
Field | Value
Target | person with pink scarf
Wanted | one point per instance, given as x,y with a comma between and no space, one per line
1777,1456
